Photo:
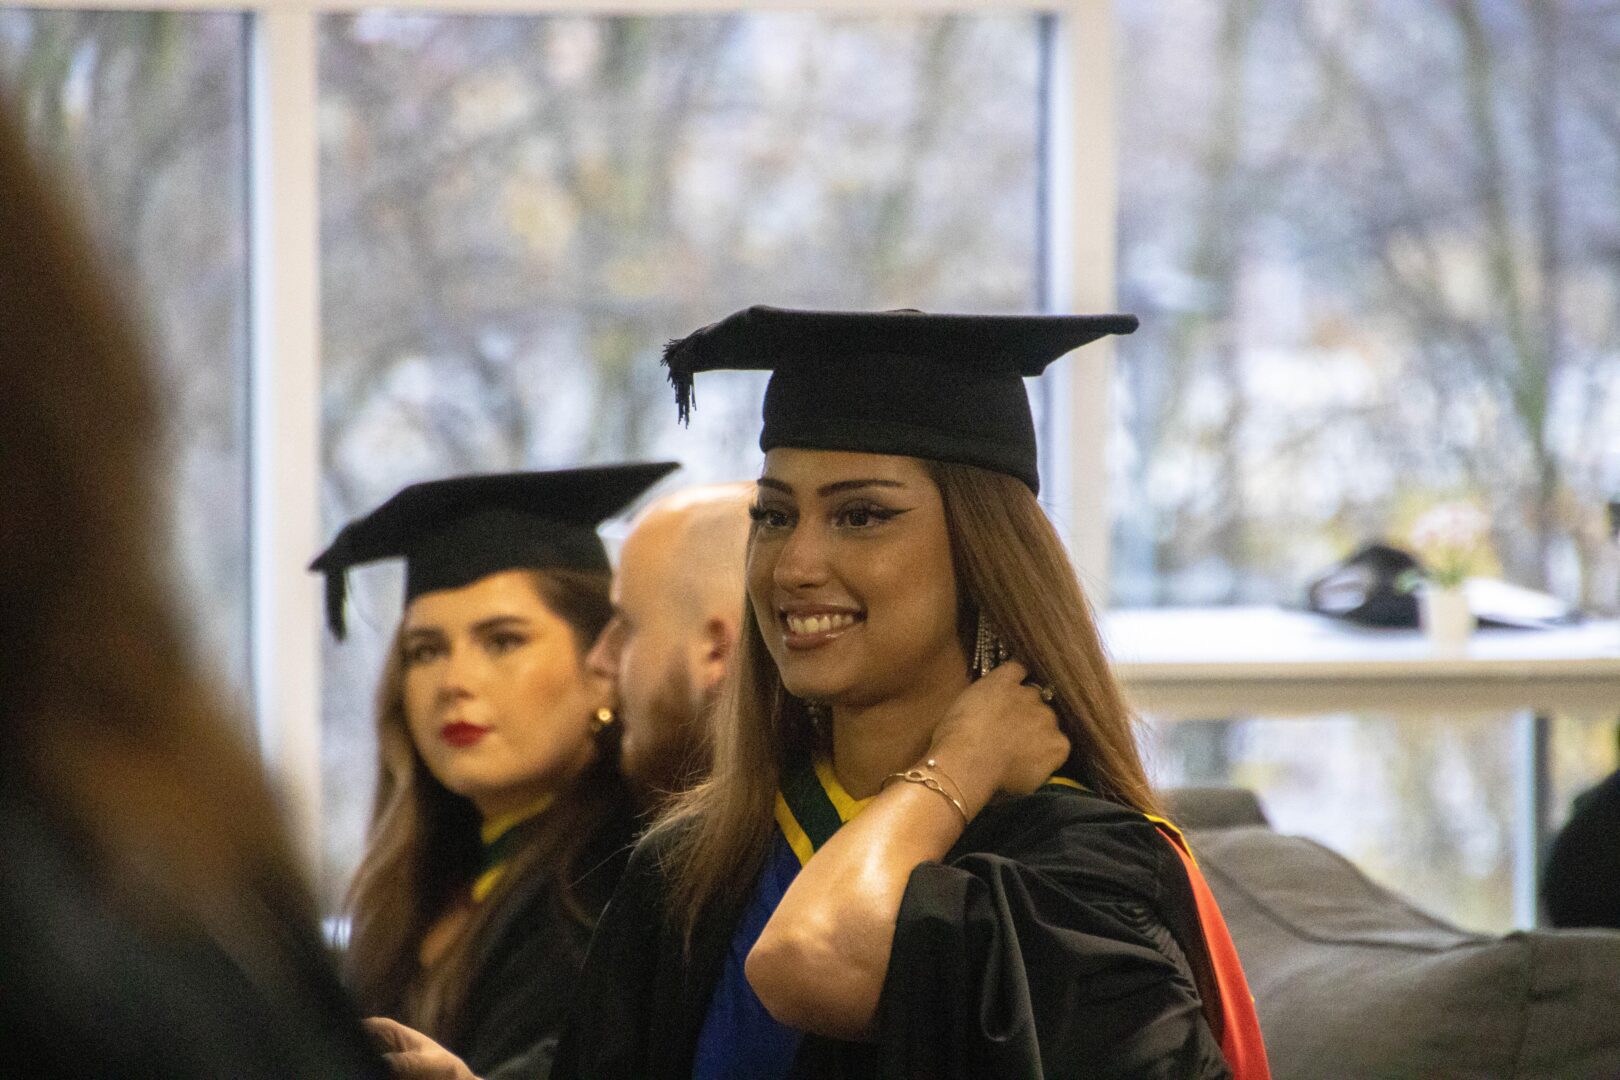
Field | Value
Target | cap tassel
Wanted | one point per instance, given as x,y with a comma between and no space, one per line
336,591
678,356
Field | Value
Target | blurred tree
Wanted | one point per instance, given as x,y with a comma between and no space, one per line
1380,246
547,200
1373,245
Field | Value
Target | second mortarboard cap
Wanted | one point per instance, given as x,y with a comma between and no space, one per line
944,387
453,532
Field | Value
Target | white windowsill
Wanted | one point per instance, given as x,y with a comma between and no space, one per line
1213,662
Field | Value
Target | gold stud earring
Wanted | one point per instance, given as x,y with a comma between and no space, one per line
603,720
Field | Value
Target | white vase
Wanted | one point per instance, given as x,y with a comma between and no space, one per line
1447,620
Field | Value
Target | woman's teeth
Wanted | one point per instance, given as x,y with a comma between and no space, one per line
818,624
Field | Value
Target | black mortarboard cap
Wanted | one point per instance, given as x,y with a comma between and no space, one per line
453,532
944,387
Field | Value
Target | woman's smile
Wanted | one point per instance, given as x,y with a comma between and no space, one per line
810,626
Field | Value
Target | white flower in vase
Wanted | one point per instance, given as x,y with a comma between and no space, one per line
1448,539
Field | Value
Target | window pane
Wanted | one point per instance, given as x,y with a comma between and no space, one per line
1585,749
519,212
1430,806
1372,249
143,115
1427,805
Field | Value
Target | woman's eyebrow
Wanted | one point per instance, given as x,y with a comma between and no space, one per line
833,488
499,622
482,626
851,485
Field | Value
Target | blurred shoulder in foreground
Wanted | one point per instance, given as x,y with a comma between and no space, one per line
152,921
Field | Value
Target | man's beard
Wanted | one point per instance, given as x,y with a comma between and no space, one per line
676,756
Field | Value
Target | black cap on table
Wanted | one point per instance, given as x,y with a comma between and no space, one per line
453,532
944,387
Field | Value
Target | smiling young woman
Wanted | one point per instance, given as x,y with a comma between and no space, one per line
910,861
500,819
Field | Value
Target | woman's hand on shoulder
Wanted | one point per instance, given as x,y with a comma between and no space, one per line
999,736
410,1055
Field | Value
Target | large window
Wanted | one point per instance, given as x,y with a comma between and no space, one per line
143,116
518,212
1372,246
1373,250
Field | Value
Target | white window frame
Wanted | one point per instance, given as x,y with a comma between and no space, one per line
284,366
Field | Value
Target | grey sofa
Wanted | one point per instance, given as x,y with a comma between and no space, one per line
1350,981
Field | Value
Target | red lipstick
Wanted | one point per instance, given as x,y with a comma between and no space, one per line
461,734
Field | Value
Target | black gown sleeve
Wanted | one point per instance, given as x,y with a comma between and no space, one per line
531,962
611,1010
645,990
521,1000
1044,953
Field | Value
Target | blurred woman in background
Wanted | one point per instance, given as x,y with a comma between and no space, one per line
501,822
152,920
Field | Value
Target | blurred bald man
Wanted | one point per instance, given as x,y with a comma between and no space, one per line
677,602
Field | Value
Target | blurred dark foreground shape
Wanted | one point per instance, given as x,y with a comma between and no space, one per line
152,922
1581,886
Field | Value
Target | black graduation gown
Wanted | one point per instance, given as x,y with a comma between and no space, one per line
88,991
1052,941
530,962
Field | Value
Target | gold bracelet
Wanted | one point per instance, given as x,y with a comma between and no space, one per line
961,797
917,776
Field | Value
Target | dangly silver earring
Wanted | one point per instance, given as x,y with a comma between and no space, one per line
989,651
820,715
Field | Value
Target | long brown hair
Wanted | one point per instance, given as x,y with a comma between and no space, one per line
1010,564
424,846
109,730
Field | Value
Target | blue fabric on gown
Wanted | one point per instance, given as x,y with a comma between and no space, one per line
740,1040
